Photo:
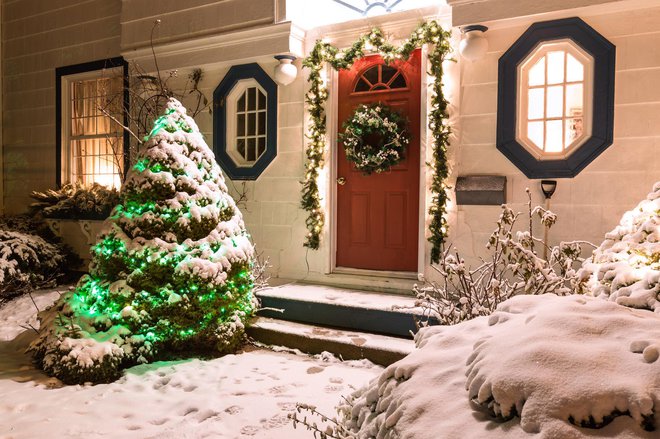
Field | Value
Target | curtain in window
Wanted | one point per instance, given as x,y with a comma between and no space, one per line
96,146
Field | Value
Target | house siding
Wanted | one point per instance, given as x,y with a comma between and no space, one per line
590,204
189,19
39,36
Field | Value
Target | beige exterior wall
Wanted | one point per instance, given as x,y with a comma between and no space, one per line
39,36
182,20
590,204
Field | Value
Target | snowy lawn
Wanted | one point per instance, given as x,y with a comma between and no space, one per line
245,395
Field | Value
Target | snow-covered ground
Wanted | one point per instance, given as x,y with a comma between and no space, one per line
247,395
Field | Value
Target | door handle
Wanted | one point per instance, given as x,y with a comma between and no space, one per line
341,181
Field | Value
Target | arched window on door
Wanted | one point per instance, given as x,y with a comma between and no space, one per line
380,77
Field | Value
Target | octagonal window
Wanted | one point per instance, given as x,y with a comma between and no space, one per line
555,109
245,122
555,84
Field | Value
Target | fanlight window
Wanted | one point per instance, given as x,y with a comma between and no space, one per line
380,77
555,89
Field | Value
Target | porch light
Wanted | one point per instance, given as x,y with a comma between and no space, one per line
548,188
474,44
285,71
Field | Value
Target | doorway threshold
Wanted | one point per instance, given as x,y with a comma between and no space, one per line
377,273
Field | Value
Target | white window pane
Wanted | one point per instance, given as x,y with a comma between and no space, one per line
535,103
535,133
574,129
554,139
555,67
574,69
537,73
555,101
574,101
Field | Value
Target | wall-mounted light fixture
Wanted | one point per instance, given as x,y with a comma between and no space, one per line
548,188
285,71
474,44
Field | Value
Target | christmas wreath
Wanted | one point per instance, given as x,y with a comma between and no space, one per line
374,138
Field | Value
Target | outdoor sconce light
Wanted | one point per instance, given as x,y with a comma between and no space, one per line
285,71
548,187
474,44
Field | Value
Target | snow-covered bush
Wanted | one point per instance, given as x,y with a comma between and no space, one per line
75,201
27,262
513,268
577,359
171,276
563,365
626,266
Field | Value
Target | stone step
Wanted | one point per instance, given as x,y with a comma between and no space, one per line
348,345
363,311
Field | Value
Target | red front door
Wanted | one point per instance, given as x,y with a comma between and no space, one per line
377,215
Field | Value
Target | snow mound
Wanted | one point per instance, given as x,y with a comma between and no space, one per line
541,366
579,359
626,266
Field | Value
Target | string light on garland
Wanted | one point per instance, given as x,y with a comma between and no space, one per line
430,33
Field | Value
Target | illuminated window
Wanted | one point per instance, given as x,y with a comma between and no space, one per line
555,111
92,143
555,89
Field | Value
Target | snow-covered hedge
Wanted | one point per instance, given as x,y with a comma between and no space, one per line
172,276
564,365
75,201
626,266
27,262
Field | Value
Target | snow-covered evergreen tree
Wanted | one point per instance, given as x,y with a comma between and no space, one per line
626,266
171,275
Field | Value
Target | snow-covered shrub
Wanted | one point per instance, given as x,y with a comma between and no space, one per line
626,266
171,276
75,201
27,262
513,268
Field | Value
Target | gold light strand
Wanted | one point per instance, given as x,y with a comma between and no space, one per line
426,33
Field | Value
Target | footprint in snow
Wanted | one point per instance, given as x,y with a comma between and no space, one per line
250,430
234,409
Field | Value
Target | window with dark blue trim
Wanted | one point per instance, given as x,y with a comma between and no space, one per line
245,122
565,61
91,105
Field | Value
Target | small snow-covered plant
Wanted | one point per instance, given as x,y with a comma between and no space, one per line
75,201
171,276
329,427
513,268
27,262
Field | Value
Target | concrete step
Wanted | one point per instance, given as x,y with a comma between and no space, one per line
363,311
312,339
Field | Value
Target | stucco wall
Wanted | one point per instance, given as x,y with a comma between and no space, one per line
37,37
590,204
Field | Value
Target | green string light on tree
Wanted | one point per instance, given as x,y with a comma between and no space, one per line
430,33
170,276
